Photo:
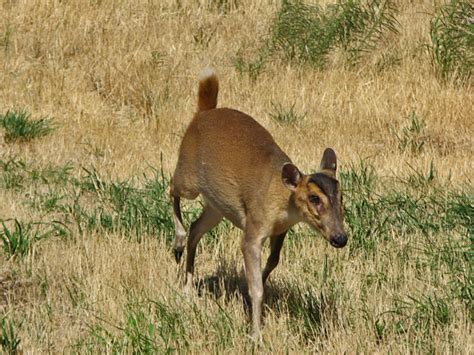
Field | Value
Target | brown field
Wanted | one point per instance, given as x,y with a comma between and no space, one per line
119,79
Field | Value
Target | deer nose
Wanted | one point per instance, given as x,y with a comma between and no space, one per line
339,240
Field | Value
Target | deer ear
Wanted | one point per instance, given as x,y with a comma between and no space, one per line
329,161
291,176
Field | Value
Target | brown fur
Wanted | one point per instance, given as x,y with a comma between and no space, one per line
243,175
208,89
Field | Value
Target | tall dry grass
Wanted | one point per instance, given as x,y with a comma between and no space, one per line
119,79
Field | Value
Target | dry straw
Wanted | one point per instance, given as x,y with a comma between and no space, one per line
119,79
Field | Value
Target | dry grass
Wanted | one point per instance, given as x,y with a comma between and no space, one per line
119,80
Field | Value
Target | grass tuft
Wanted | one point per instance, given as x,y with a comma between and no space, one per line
19,126
306,33
91,203
225,6
8,337
18,240
412,137
120,206
414,205
163,326
452,41
252,69
285,116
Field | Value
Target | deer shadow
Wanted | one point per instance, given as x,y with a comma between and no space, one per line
280,297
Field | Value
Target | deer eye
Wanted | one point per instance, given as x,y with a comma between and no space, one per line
314,199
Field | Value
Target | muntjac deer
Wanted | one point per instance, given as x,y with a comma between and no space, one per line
243,175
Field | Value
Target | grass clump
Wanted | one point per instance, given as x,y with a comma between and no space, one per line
309,33
18,240
17,174
91,203
298,32
285,116
413,205
12,173
252,68
19,126
412,137
163,326
224,6
121,206
452,41
148,327
8,337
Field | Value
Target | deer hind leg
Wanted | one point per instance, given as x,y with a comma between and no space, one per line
180,232
209,218
180,188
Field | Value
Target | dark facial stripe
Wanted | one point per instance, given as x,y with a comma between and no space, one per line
327,184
